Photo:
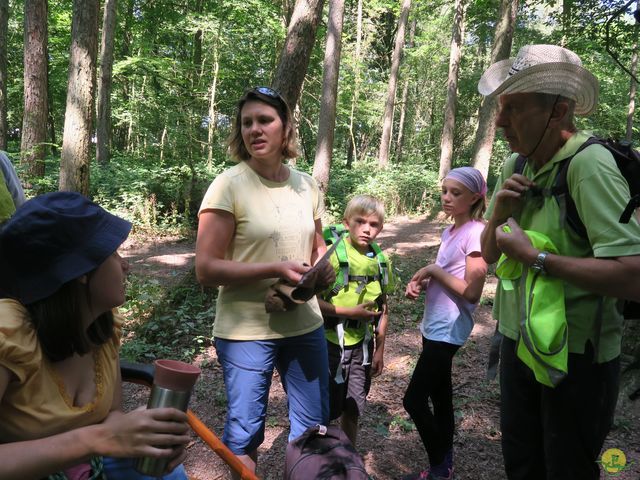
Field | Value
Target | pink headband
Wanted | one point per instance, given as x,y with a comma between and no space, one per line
470,178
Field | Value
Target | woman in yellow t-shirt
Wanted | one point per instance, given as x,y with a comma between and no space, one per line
260,222
61,277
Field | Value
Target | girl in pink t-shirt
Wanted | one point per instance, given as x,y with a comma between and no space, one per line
453,285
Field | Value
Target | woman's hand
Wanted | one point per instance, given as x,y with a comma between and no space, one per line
292,271
156,432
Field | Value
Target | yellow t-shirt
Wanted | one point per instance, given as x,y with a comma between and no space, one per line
35,404
274,222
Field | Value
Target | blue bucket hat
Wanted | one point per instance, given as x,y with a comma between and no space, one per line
52,239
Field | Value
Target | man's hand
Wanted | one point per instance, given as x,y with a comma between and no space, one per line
514,243
510,195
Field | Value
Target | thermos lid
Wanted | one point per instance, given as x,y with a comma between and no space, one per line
175,375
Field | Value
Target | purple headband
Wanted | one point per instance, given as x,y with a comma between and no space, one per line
470,178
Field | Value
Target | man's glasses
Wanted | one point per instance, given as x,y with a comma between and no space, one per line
269,92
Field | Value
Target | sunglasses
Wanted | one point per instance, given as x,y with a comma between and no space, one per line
268,91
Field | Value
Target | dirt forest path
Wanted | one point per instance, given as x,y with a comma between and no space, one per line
388,441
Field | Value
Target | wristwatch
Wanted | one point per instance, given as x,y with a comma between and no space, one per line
538,265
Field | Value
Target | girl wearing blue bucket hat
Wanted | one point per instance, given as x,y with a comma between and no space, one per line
61,278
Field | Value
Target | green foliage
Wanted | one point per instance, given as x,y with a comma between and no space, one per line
167,320
404,188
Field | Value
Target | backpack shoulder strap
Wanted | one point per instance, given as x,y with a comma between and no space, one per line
521,161
560,190
331,234
383,265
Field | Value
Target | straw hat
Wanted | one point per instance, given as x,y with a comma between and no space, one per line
543,69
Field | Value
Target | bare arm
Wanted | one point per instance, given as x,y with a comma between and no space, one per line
469,287
140,433
215,234
377,364
612,277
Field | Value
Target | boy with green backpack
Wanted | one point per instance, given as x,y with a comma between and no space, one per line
355,309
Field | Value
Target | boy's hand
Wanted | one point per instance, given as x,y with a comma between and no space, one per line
377,364
364,311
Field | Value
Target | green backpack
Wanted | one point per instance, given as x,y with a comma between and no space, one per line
332,233
350,289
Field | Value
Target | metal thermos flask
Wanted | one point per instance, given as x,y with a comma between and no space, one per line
172,387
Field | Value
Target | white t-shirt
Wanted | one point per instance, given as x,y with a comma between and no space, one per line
274,222
447,316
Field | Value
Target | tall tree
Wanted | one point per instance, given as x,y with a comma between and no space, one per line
34,120
327,121
103,120
448,128
633,85
4,25
405,99
387,122
296,52
486,131
76,141
351,152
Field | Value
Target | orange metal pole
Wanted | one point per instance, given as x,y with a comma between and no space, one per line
219,448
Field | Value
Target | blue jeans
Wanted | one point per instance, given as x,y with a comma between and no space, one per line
247,366
124,469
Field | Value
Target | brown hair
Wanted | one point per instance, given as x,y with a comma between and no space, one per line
59,324
237,148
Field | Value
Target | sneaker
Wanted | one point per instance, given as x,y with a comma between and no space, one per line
423,475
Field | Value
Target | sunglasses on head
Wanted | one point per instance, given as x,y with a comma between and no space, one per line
268,91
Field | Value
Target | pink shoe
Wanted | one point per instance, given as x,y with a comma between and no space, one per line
423,475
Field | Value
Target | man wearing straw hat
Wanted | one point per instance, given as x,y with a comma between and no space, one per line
557,433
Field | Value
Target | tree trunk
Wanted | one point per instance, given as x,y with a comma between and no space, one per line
327,120
103,130
387,122
4,26
211,128
351,153
296,52
76,142
567,12
448,129
633,86
485,134
34,120
405,99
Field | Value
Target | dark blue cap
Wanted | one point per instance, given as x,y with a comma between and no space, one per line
52,239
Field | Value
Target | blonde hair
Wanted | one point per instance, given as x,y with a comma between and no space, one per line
364,205
237,148
478,208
